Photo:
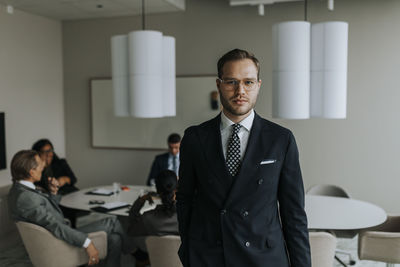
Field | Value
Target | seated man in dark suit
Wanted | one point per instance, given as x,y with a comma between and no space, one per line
166,161
29,205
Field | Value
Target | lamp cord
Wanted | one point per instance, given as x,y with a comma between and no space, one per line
143,17
305,10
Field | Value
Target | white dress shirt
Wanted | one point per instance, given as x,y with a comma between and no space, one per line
171,162
32,186
244,132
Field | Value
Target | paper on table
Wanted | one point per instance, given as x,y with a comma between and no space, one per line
113,205
101,191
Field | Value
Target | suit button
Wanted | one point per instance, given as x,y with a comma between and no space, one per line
223,212
247,244
245,213
260,181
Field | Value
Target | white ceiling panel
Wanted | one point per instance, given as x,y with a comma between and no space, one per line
81,9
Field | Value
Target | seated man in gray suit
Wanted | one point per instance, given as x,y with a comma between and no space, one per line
29,205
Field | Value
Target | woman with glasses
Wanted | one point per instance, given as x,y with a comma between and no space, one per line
60,170
55,167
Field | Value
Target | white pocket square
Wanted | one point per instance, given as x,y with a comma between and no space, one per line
268,161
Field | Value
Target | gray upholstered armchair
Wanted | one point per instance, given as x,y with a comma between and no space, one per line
45,250
323,247
163,250
381,243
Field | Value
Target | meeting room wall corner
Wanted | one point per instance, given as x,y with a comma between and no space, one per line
359,153
31,76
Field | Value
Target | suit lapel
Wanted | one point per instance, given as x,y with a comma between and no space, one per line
258,141
210,137
165,161
55,205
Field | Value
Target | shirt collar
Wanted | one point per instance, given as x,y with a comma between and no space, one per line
28,184
247,122
171,156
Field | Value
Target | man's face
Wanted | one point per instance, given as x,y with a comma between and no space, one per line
36,173
173,148
237,101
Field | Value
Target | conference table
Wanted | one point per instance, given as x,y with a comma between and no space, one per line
80,199
323,212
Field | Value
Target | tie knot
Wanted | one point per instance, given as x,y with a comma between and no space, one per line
236,128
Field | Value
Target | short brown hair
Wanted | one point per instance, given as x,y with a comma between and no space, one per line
237,54
22,163
174,138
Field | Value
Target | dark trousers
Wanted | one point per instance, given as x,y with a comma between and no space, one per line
116,242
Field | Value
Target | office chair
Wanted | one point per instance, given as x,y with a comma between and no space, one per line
382,242
323,247
45,250
163,251
335,191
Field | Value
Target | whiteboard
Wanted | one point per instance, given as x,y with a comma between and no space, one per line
108,131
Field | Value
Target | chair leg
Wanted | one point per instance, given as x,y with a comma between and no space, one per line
389,264
348,254
340,261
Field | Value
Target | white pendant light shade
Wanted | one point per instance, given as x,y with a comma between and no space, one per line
169,74
145,74
120,75
291,70
329,69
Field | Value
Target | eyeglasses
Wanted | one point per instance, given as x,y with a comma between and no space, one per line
233,84
46,151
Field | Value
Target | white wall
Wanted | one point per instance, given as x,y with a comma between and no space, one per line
360,153
31,92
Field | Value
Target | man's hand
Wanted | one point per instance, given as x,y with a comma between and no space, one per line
63,180
53,185
93,254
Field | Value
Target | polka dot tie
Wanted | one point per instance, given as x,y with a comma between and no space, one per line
233,153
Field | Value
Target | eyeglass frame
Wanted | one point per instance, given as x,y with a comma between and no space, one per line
46,152
236,84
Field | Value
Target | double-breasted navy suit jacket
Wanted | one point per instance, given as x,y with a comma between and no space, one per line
255,219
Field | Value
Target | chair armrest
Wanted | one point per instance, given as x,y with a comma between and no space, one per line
379,246
99,240
380,235
392,224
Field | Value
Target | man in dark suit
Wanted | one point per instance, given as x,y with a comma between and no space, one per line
30,205
240,197
166,161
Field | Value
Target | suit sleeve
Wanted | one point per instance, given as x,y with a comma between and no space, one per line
155,170
186,191
35,212
137,227
291,207
66,170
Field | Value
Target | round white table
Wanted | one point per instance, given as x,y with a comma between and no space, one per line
80,200
337,213
323,212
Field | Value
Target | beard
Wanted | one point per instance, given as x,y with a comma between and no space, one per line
240,110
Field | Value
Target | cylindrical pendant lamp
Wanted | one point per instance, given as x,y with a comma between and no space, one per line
329,70
291,70
169,74
145,74
120,74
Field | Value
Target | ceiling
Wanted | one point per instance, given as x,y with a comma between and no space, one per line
83,9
